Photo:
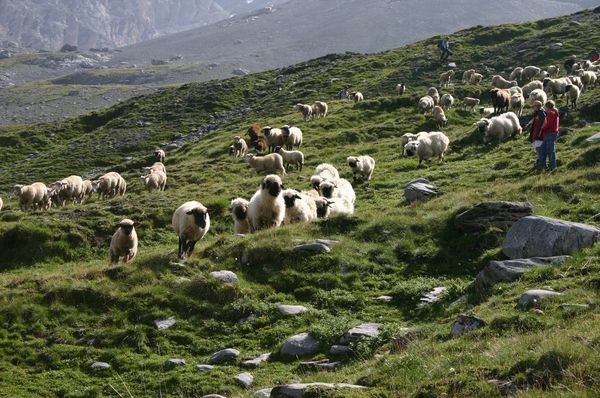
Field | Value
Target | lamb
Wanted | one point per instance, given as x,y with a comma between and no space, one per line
439,116
267,207
299,207
533,85
556,86
476,78
272,162
160,155
292,137
320,109
500,82
239,213
469,102
323,172
306,110
35,196
274,137
340,192
553,70
529,72
499,127
157,166
446,101
191,222
588,78
363,165
516,73
500,100
517,103
428,146
124,242
357,96
433,93
538,95
466,77
154,181
400,88
291,158
426,104
573,93
446,78
240,147
67,190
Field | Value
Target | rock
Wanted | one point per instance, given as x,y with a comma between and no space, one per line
339,350
581,123
510,270
492,214
240,72
171,147
100,366
175,362
385,299
162,324
452,65
568,306
256,362
327,242
594,138
420,191
313,248
421,180
322,364
370,330
433,296
300,345
226,355
534,296
264,393
466,323
595,123
555,46
244,379
204,368
505,387
297,390
536,236
291,309
213,396
225,276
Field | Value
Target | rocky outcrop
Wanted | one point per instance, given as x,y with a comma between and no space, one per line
510,270
501,215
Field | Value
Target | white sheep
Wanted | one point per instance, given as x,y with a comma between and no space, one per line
157,166
469,102
516,90
110,185
323,205
576,80
428,146
292,137
466,77
320,109
267,208
274,137
340,192
299,207
160,155
543,75
306,110
553,70
291,158
573,93
357,96
239,213
191,222
517,103
434,94
124,242
154,181
406,138
588,78
516,73
533,85
500,82
88,189
446,78
439,116
272,162
1,203
323,172
538,95
446,101
35,196
529,72
361,165
240,147
400,88
426,104
556,86
476,78
67,190
499,127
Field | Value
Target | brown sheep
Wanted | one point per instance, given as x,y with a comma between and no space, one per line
500,100
256,140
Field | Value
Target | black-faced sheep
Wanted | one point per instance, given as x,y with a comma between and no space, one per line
292,137
439,116
267,208
446,101
341,193
124,242
400,88
306,110
357,96
272,162
274,137
500,127
324,171
428,146
190,222
361,165
556,86
240,147
239,213
160,155
298,207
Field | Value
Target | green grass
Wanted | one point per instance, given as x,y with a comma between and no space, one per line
62,307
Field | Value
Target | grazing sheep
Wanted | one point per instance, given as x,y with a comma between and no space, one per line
323,172
88,189
446,78
341,193
274,137
516,90
588,78
299,207
553,70
517,103
291,158
67,190
240,147
35,196
469,102
406,138
446,101
110,185
124,242
500,127
157,166
476,78
156,180
500,82
529,72
267,208
466,77
556,86
292,137
272,162
500,100
190,222
434,94
160,155
516,73
439,116
320,109
573,93
426,104
357,96
428,146
400,88
538,95
323,205
239,213
533,85
576,80
544,74
363,165
306,110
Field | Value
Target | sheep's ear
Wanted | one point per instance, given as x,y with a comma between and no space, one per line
263,185
297,197
282,186
190,212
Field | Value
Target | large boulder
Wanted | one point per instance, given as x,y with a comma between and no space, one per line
511,270
419,191
536,236
300,345
223,356
492,214
299,390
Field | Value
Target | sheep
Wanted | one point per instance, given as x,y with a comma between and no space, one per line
274,137
553,70
517,103
272,162
1,203
499,127
538,95
529,72
469,102
157,166
543,75
292,137
191,222
323,172
516,90
400,88
240,147
67,190
154,181
322,204
124,242
88,189
500,100
110,185
306,110
556,86
426,104
239,213
516,73
357,96
446,78
466,77
533,85
428,146
573,93
35,196
363,165
446,101
576,80
476,78
340,192
588,78
160,155
299,207
433,93
500,82
406,138
258,141
439,116
267,207
320,109
291,158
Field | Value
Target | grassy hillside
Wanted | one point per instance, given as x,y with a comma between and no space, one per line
62,307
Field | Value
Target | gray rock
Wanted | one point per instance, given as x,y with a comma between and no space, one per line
419,191
226,355
100,365
327,242
204,368
581,123
264,393
370,330
466,323
339,350
241,72
213,396
313,248
322,364
162,324
175,362
534,296
244,379
256,362
171,147
492,214
555,46
225,276
385,299
595,123
594,138
433,296
511,270
291,309
536,236
300,345
569,306
297,390
421,180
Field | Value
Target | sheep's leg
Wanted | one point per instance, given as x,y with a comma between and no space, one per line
181,247
190,248
113,258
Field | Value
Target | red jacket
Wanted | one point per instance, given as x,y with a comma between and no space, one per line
550,124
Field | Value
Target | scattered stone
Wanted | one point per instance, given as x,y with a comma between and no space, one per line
264,393
244,379
420,180
322,364
213,396
420,191
204,368
536,236
173,362
370,330
171,147
433,296
569,306
594,138
555,46
505,387
581,123
595,123
534,296
225,276
100,365
327,242
256,362
339,350
313,248
291,309
511,270
462,299
385,299
300,345
240,72
466,323
492,214
226,355
162,324
452,65
297,390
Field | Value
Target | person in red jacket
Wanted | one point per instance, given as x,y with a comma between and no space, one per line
549,134
539,116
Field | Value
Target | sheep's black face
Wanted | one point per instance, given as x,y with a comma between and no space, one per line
327,191
273,187
240,212
127,229
289,201
353,163
483,127
199,217
411,148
